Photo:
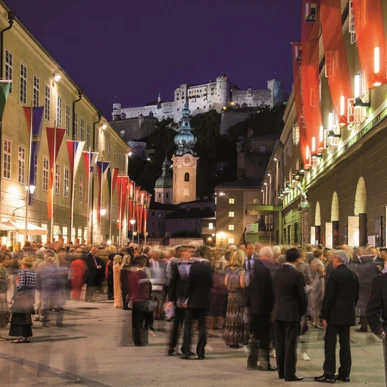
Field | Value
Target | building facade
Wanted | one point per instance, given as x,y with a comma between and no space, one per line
38,80
331,181
203,98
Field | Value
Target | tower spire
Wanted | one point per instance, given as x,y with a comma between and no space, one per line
185,140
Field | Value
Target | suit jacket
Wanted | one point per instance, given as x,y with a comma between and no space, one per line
260,291
91,263
341,296
199,284
377,305
289,292
179,280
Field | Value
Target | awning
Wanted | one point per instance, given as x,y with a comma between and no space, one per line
32,229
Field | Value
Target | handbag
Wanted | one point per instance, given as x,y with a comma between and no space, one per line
151,305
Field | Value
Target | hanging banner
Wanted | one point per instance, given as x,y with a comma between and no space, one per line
141,209
336,65
4,92
371,42
123,200
147,202
89,160
131,197
114,179
119,183
34,119
137,190
54,140
102,167
310,76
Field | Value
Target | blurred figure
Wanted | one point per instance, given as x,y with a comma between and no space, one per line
365,270
235,331
92,278
290,305
12,267
197,294
140,289
125,273
176,296
338,315
39,264
267,258
376,312
259,303
78,275
117,293
4,312
317,271
23,303
110,276
50,283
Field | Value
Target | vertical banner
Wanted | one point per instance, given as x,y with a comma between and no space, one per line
141,210
89,160
328,235
123,200
119,183
54,140
137,206
371,41
114,179
336,65
310,74
131,197
102,167
4,92
146,211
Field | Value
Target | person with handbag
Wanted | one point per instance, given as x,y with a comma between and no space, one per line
23,303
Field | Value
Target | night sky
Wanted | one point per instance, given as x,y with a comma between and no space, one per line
127,51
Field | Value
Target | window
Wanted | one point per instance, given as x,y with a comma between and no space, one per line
36,90
23,83
66,179
230,227
75,126
231,214
47,102
262,149
7,159
21,160
57,179
167,195
35,169
231,201
59,111
82,129
210,226
88,137
45,174
80,189
68,120
296,134
231,241
186,176
159,195
8,68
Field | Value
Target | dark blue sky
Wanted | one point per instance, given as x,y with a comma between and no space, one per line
127,51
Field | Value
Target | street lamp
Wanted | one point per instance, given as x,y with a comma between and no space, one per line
103,212
221,235
30,189
132,222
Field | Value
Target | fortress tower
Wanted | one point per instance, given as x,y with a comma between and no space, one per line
184,162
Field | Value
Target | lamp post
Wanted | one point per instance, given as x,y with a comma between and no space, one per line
30,189
132,222
221,235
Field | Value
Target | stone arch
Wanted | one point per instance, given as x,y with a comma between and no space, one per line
317,215
360,198
335,208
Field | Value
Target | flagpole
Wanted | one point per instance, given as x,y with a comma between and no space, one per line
52,190
72,198
100,223
110,205
88,196
27,186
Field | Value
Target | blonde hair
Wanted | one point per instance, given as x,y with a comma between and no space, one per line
237,258
27,262
117,259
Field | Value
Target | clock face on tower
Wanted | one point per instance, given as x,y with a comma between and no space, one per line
187,159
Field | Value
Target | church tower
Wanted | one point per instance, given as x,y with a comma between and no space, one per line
184,162
163,186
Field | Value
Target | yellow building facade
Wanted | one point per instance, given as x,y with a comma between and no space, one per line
35,82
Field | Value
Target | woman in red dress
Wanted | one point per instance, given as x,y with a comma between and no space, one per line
78,273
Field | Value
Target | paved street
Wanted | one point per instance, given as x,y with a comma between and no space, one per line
94,349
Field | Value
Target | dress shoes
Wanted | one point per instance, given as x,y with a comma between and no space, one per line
295,378
325,379
343,378
269,368
202,357
185,357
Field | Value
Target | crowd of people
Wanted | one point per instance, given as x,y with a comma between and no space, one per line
264,298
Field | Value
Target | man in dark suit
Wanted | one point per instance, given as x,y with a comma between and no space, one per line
376,311
93,270
198,292
338,315
290,305
176,295
259,303
249,260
